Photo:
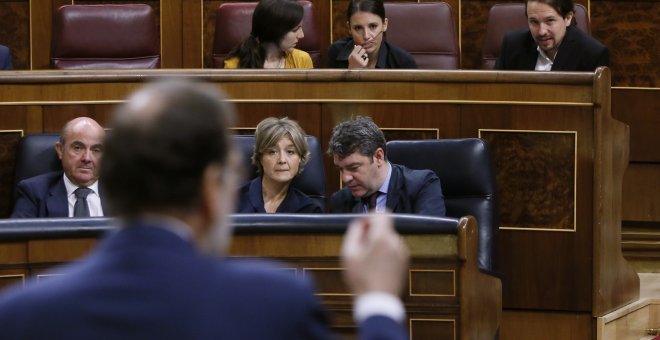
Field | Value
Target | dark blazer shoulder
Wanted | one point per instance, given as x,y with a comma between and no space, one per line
225,296
41,196
380,327
5,58
342,201
43,180
577,52
409,192
580,52
413,191
397,57
297,201
414,179
518,51
251,200
339,51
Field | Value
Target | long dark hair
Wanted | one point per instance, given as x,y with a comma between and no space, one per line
271,21
370,6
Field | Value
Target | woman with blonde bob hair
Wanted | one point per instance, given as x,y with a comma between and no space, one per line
280,153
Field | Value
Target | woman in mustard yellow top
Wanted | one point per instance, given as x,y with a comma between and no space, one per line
276,29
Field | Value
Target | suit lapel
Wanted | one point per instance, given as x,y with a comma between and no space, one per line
358,207
530,54
565,57
290,203
255,195
102,197
530,59
57,203
394,189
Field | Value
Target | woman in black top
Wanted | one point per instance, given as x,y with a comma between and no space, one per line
367,46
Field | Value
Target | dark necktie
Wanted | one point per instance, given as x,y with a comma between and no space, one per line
370,200
81,209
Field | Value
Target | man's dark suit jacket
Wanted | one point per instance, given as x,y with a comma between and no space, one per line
5,58
146,282
409,192
44,196
577,52
251,200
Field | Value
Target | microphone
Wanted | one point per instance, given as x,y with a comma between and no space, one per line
364,56
374,37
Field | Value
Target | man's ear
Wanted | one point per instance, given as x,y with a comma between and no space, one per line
59,149
379,156
569,18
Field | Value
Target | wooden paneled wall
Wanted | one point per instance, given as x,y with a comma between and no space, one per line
628,28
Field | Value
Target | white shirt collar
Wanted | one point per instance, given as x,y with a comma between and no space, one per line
70,187
543,63
386,183
381,200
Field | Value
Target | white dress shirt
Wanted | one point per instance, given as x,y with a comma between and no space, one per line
377,303
93,199
381,200
543,63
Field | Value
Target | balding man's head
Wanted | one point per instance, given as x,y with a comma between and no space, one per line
80,148
163,140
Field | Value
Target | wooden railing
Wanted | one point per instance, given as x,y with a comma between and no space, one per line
446,296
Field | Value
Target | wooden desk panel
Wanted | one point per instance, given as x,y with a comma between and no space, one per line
446,296
581,270
528,229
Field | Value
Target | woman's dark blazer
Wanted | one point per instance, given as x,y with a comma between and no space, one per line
251,200
577,52
5,58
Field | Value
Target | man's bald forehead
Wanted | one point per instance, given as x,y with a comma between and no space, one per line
80,123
